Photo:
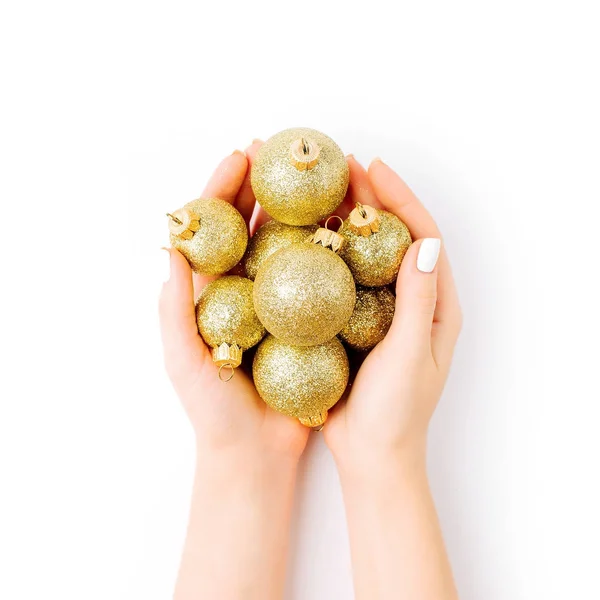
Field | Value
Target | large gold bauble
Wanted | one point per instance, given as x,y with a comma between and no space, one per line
269,238
371,319
225,313
304,294
375,259
301,382
300,176
219,242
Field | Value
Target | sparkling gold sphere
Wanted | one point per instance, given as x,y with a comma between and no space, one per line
225,313
301,382
300,176
220,240
371,319
269,238
304,294
375,259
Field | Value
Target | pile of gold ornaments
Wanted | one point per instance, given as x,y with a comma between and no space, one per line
310,290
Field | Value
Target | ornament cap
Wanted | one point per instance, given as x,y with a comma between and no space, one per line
304,154
225,356
328,238
364,220
315,421
183,223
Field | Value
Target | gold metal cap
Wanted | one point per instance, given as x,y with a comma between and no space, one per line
328,238
183,223
364,220
304,154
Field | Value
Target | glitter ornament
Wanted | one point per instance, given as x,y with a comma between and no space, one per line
301,382
371,319
376,242
269,238
210,233
227,321
304,294
300,176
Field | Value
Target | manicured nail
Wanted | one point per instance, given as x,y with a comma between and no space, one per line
378,159
238,152
165,264
257,141
349,156
429,252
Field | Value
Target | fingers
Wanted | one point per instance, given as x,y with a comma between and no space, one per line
225,183
245,200
227,179
398,198
260,216
359,189
416,298
183,348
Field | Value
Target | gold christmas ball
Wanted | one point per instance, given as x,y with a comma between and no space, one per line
300,176
375,259
304,294
269,238
225,313
210,233
371,319
302,382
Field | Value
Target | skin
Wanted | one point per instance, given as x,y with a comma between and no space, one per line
247,455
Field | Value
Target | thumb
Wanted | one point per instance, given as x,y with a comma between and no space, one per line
183,348
416,296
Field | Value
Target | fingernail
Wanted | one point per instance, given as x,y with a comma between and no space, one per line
257,141
236,151
349,155
165,264
378,159
429,252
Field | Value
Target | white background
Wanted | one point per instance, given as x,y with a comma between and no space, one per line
113,112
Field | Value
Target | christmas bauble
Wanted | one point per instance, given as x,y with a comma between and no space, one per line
269,238
302,382
210,233
226,319
375,245
299,176
304,294
371,319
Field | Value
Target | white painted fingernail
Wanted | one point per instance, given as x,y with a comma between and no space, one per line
165,264
429,252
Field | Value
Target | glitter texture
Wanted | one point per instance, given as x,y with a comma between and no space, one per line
375,260
302,382
225,313
304,294
371,319
299,197
220,242
271,237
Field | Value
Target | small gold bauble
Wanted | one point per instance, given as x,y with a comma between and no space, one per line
269,238
210,233
300,176
304,294
371,319
301,382
226,319
375,259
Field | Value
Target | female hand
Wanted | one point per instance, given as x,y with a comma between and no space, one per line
227,417
399,384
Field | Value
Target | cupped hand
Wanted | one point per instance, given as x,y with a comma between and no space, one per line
227,417
398,386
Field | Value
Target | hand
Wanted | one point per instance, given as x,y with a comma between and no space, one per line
400,382
227,417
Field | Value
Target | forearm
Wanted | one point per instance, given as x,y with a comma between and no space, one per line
236,544
396,541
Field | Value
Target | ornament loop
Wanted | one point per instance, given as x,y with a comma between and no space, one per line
231,374
333,217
